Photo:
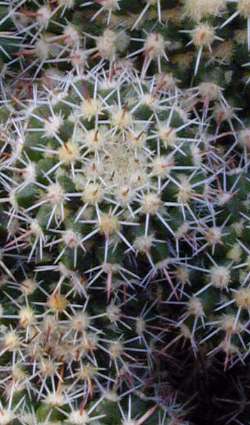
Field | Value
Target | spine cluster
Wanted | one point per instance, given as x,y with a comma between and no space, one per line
124,152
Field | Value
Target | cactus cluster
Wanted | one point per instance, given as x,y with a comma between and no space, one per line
124,159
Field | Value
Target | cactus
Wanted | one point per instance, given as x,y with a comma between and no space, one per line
124,205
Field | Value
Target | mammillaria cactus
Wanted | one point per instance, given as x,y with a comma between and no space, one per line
124,208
